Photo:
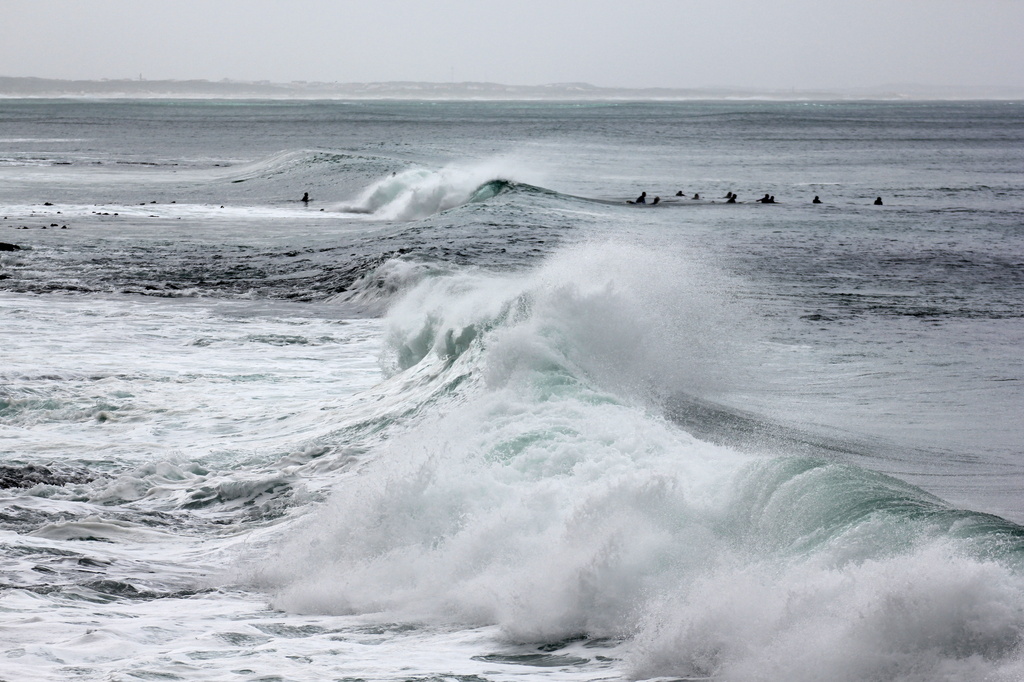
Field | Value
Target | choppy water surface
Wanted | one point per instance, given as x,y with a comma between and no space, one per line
469,415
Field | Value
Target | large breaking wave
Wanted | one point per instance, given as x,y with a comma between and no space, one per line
537,486
419,193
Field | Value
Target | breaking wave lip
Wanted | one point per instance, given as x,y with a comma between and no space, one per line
420,193
406,195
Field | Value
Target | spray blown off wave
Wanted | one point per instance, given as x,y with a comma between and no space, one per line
540,489
420,193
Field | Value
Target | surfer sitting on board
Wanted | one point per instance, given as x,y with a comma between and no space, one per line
642,199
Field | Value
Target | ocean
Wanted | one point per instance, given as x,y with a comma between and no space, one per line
468,414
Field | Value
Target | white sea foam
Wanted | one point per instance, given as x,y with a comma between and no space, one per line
141,382
551,501
419,192
926,614
507,491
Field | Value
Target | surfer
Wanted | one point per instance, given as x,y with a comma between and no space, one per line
696,196
817,199
731,199
642,199
656,200
878,201
305,197
765,199
680,193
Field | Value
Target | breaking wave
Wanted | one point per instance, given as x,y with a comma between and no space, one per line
540,488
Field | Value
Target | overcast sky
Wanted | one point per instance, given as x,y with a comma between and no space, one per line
800,44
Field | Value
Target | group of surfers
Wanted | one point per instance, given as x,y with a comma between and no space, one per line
730,198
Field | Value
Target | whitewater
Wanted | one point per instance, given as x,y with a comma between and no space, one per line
468,414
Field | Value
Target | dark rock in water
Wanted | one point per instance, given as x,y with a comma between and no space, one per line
4,246
34,474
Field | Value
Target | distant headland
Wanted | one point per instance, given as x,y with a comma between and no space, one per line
11,87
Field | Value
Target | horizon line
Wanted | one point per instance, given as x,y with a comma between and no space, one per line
16,87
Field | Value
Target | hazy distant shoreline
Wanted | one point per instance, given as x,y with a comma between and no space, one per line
21,87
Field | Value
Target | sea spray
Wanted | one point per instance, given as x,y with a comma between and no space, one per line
547,495
177,364
417,193
923,613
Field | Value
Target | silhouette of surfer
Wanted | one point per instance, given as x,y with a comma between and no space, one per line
731,199
878,201
765,199
680,193
696,196
817,199
656,200
305,197
642,199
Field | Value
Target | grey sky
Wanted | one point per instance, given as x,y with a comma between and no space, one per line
670,43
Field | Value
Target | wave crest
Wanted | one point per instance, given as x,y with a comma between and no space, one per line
545,495
419,193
